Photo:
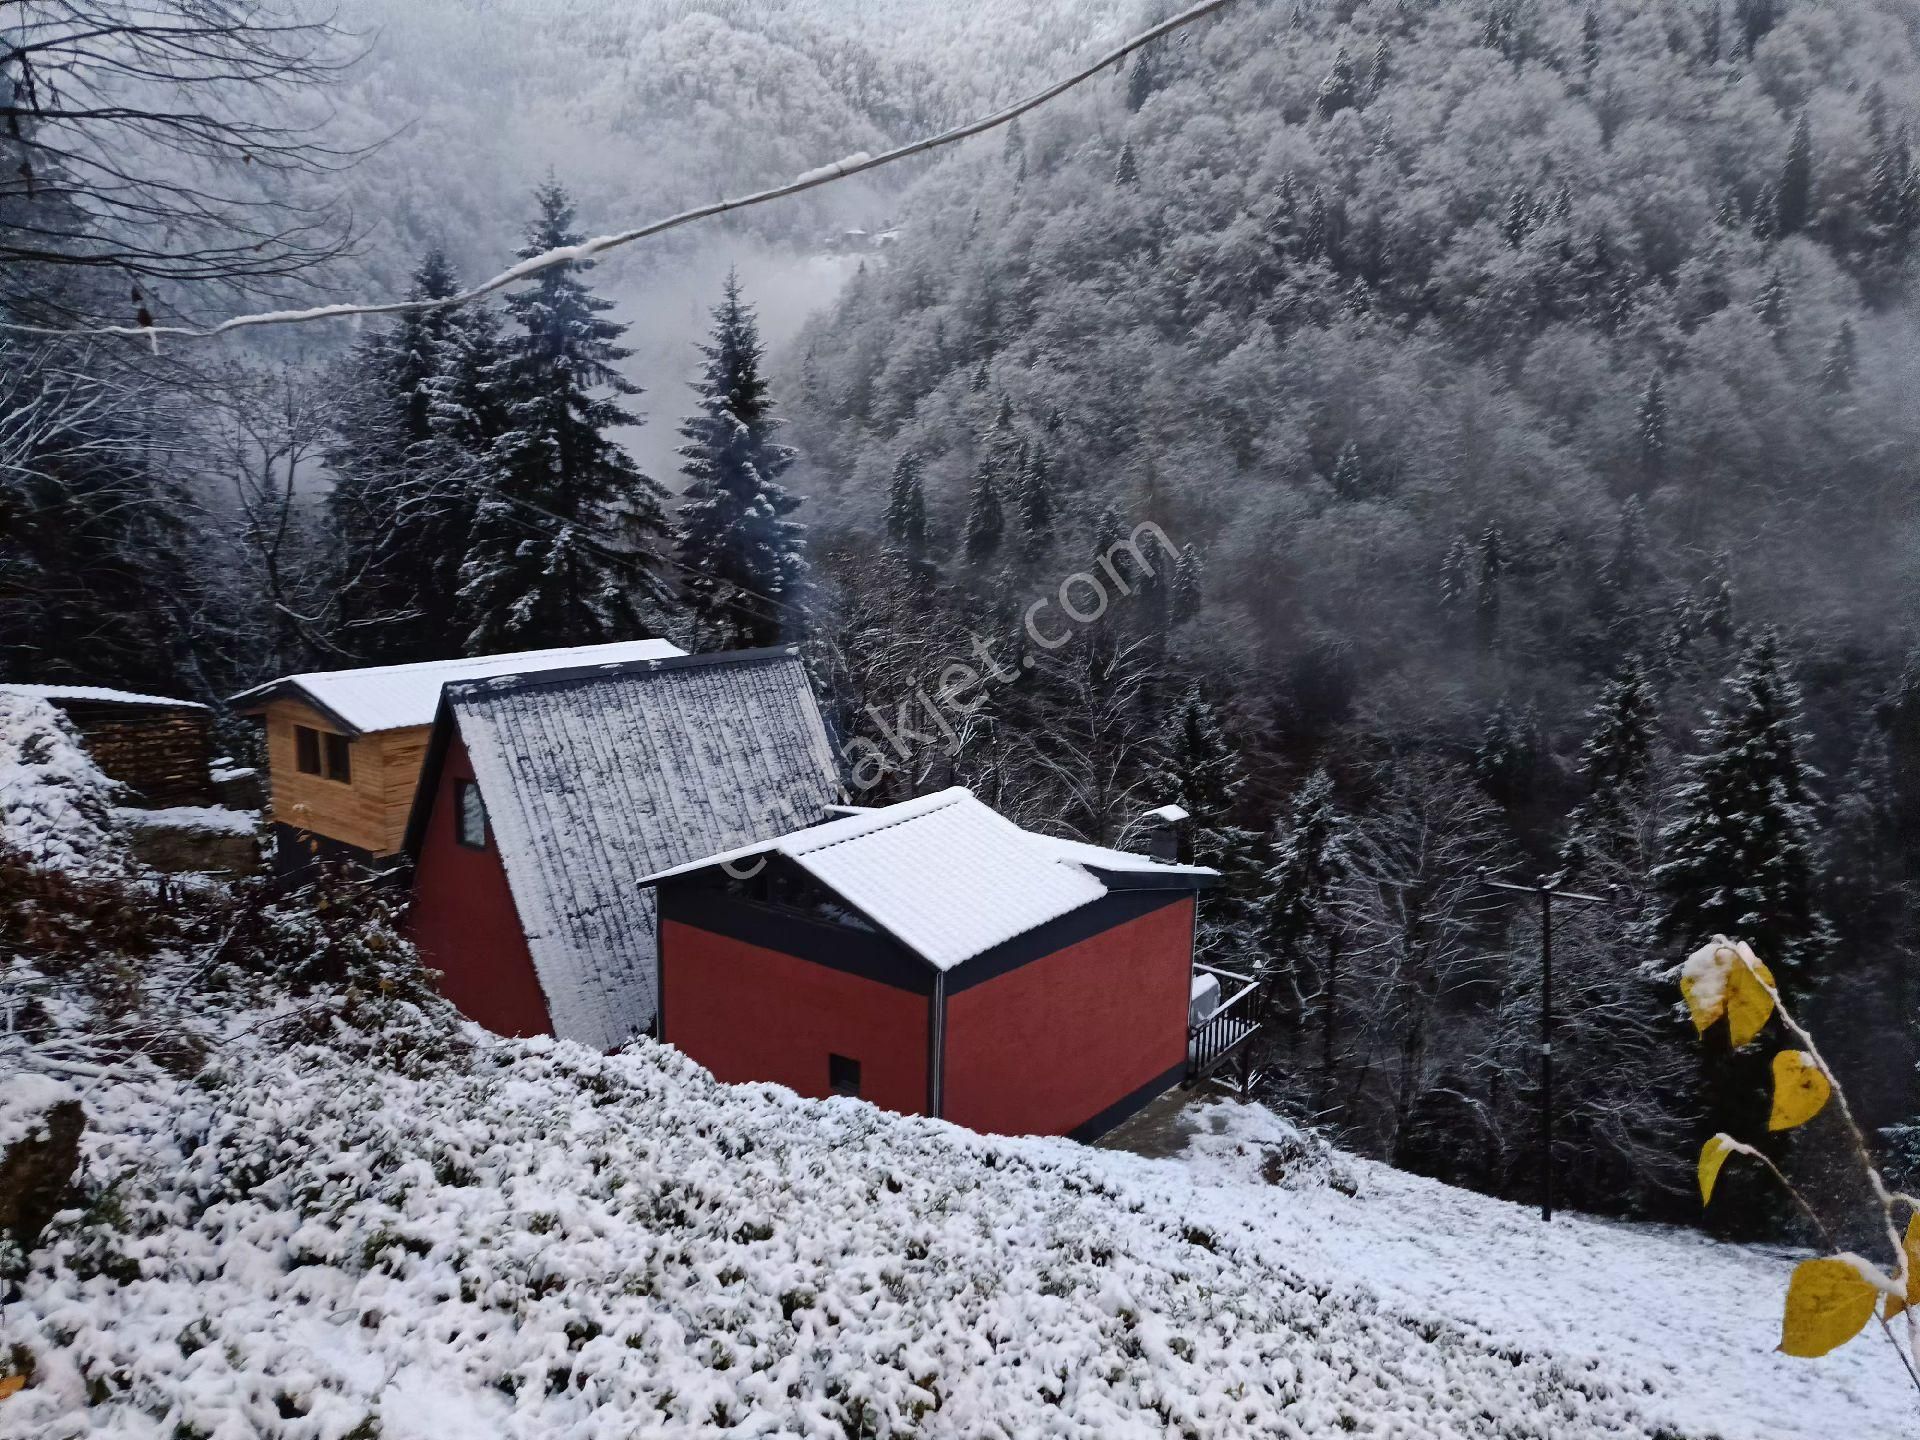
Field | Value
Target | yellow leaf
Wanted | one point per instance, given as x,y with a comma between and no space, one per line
1703,981
1828,1303
1749,1000
1713,1155
9,1384
1799,1090
1910,1244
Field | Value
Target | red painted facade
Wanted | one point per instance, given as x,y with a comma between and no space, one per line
748,1013
1043,1049
464,922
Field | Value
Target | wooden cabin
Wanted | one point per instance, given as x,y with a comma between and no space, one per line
547,797
160,748
936,959
345,747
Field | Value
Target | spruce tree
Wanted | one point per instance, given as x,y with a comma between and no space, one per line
1793,198
1300,922
740,554
568,529
411,437
1126,172
1349,475
1616,769
986,521
906,515
1200,771
1739,859
1188,576
1841,363
1650,428
1036,502
1491,573
1340,88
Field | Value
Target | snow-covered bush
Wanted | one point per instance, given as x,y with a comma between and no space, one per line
55,804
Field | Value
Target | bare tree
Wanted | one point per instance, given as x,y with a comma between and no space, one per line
153,139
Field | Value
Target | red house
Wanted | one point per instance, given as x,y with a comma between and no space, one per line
935,958
544,799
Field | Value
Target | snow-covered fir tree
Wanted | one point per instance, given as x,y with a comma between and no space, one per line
741,555
1740,857
906,513
568,533
1616,771
1300,927
417,413
1200,770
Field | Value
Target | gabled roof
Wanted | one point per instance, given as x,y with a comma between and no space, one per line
945,875
393,697
96,695
595,777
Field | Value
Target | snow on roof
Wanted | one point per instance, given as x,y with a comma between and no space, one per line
943,874
97,694
594,780
392,697
1125,862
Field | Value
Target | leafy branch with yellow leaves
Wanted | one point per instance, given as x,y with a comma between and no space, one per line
1829,1299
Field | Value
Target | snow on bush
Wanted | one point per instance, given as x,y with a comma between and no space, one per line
540,1241
55,804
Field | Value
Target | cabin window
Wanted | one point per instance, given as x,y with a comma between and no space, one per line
339,755
843,1075
306,749
469,815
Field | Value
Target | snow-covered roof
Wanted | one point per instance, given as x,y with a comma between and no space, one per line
594,780
1124,862
393,697
98,695
944,874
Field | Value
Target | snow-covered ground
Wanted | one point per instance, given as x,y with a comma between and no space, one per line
544,1242
1689,1322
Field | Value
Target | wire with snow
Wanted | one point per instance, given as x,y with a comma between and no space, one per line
855,164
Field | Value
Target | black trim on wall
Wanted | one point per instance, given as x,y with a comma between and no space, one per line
1128,1105
838,947
1151,879
1070,929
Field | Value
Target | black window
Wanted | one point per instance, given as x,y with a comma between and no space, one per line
339,758
469,815
843,1075
306,749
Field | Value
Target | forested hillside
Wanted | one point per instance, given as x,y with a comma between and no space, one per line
1493,364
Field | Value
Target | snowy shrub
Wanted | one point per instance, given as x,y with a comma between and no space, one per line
55,804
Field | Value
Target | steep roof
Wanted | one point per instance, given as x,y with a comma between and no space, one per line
593,778
393,697
945,875
94,694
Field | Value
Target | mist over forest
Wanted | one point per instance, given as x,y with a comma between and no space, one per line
1523,391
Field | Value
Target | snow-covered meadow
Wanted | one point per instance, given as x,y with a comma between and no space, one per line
535,1240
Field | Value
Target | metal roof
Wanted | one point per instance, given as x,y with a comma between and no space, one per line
944,874
394,697
593,778
97,695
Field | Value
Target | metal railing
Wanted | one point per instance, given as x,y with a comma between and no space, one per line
1225,1032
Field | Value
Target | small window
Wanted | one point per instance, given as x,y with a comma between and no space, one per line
469,815
339,758
306,749
843,1075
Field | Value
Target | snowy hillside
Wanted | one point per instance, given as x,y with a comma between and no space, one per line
544,1242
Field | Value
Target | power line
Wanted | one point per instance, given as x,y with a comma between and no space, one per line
568,254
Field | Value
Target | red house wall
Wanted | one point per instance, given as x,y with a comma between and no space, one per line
465,924
1045,1048
748,1013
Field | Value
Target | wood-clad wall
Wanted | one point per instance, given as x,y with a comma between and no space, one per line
369,814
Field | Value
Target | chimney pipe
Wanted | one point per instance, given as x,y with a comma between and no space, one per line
1166,833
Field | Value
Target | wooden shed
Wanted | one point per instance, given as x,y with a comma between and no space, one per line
159,747
345,747
935,958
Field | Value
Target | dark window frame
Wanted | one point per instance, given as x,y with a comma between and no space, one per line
306,749
843,1075
336,752
461,790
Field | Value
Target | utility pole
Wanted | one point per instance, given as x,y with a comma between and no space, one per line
1548,890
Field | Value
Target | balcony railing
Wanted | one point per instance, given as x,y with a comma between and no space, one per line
1227,1031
